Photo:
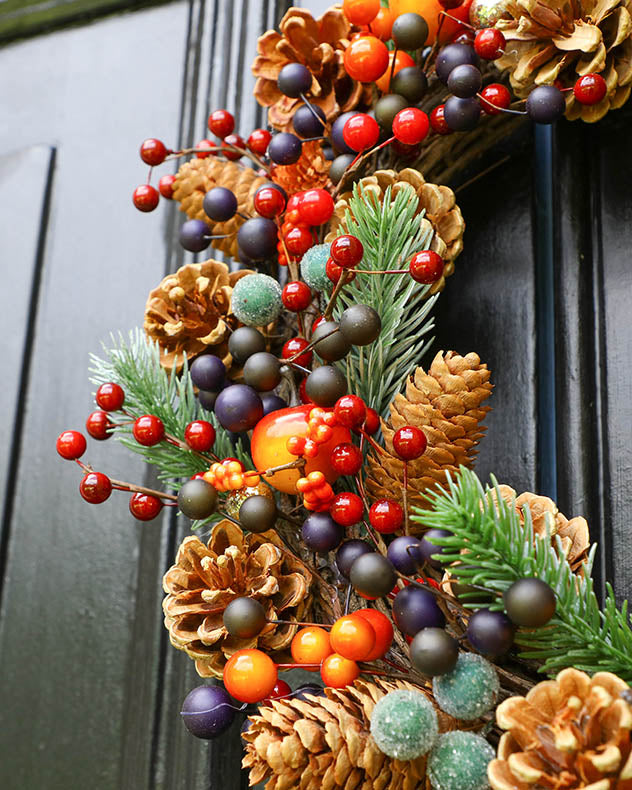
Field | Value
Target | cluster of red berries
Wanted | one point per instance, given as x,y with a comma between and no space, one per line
304,211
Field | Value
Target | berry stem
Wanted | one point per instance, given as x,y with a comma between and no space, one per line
295,622
405,498
456,19
315,114
310,346
501,109
212,152
274,469
392,74
334,296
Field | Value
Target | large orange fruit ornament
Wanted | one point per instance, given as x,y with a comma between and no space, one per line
268,447
431,10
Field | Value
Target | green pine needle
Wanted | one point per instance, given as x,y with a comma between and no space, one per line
500,550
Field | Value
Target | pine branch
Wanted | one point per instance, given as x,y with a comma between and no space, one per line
391,234
134,364
500,550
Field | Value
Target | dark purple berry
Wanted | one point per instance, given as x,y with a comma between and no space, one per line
461,115
405,554
321,533
491,633
339,166
285,148
195,235
414,609
307,123
271,402
220,204
427,548
294,79
207,711
208,372
258,238
465,81
348,553
238,408
453,55
207,399
545,104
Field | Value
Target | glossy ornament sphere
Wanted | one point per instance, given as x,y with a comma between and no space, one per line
221,123
307,123
485,13
411,126
325,385
98,425
148,430
153,152
110,396
311,645
411,83
426,267
360,324
95,487
258,141
347,459
361,132
465,81
386,516
220,204
433,652
208,372
438,122
293,347
348,553
346,509
244,342
71,445
459,761
347,251
387,108
410,31
352,637
409,442
257,238
490,633
402,61
244,618
383,629
197,499
469,690
545,104
145,197
250,675
414,609
285,148
294,79
258,513
207,711
238,408
366,59
454,55
461,115
321,533
200,435
404,724
489,43
144,507
268,202
316,207
495,98
338,672
269,447
405,555
530,603
360,12
329,342
194,235
429,549
590,89
256,298
372,575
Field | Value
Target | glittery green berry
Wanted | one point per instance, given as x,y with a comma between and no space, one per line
256,300
459,761
469,690
404,724
314,267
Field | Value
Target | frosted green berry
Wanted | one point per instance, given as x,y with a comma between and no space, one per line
256,300
404,724
459,761
469,690
314,268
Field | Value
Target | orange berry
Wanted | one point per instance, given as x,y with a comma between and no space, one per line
250,675
233,466
236,481
360,12
220,472
295,445
209,477
330,419
311,449
366,59
353,637
323,433
323,491
338,671
310,645
316,478
317,414
383,631
402,60
303,485
382,25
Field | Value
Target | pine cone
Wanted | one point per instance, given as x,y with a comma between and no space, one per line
189,312
205,579
446,404
317,44
310,172
571,732
325,742
549,40
437,201
197,176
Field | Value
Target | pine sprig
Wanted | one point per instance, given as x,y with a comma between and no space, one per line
500,550
134,364
391,234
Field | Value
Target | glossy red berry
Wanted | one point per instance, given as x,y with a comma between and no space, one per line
316,207
200,435
409,442
235,141
144,507
71,445
346,459
281,690
438,122
258,141
153,152
361,132
346,509
334,272
350,411
269,202
165,186
410,126
221,123
489,43
386,516
206,145
95,487
148,430
145,197
295,345
296,296
346,251
299,240
293,203
495,98
426,267
110,396
372,422
463,36
590,89
99,426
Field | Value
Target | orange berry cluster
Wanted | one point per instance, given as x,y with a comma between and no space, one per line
317,493
320,429
229,475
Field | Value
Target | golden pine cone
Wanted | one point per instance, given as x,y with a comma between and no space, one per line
205,579
317,44
190,312
325,742
437,201
311,171
446,403
197,176
549,40
571,732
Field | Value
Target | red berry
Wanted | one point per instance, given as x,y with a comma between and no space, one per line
372,422
346,251
350,411
296,296
294,201
489,43
221,123
99,426
302,392
153,152
144,507
299,240
334,272
495,98
110,397
148,430
409,442
426,267
346,459
386,516
237,142
207,145
71,445
145,197
438,121
316,206
410,126
346,509
590,89
165,186
293,346
259,140
361,132
281,690
95,487
463,36
269,202
200,435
